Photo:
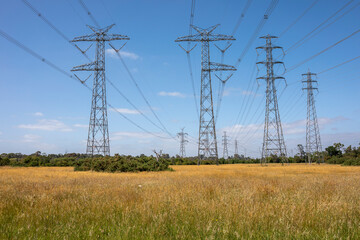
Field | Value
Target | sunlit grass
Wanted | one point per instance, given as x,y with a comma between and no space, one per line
193,202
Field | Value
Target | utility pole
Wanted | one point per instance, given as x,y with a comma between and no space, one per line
313,143
183,141
273,141
98,136
236,154
207,147
225,146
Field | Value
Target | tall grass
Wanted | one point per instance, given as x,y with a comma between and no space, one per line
193,202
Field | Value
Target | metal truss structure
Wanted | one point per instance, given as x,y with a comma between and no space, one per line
98,136
273,141
225,142
313,142
207,146
183,141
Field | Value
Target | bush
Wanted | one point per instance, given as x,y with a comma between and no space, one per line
121,164
4,161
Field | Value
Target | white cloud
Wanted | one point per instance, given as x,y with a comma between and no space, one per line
38,114
124,54
229,91
126,135
249,93
81,125
47,125
125,111
30,138
171,94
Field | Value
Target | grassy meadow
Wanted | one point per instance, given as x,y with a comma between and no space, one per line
192,202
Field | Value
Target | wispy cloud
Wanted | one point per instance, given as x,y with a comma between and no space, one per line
126,111
171,94
30,138
47,125
125,54
237,91
250,93
38,114
134,135
81,125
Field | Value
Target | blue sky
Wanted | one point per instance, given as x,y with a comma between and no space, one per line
41,109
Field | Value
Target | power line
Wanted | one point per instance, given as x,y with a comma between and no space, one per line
321,52
298,19
141,93
89,13
301,41
259,27
338,65
36,55
223,83
329,24
130,74
83,53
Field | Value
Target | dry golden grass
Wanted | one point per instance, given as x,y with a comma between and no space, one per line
193,202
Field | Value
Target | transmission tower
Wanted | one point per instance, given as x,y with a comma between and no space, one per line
225,146
207,147
273,141
313,143
183,141
236,154
98,136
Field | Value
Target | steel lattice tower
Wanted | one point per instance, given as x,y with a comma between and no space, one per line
273,141
98,136
183,141
313,143
236,148
225,146
207,147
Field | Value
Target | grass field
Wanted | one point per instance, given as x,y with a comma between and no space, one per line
193,202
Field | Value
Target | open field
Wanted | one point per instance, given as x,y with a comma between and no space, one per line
193,202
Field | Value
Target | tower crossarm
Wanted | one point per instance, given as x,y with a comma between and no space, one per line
274,77
87,67
95,37
205,37
269,47
220,67
273,62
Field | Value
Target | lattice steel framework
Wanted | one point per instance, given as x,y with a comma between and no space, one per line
98,135
207,147
236,148
182,135
273,141
313,142
225,143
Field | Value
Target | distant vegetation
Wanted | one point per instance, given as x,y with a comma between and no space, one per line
335,154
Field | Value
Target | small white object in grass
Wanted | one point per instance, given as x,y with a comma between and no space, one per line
139,185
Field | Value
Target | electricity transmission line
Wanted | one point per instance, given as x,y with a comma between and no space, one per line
57,68
308,35
182,135
225,142
298,18
98,136
207,132
338,65
273,141
321,52
313,142
117,51
87,57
